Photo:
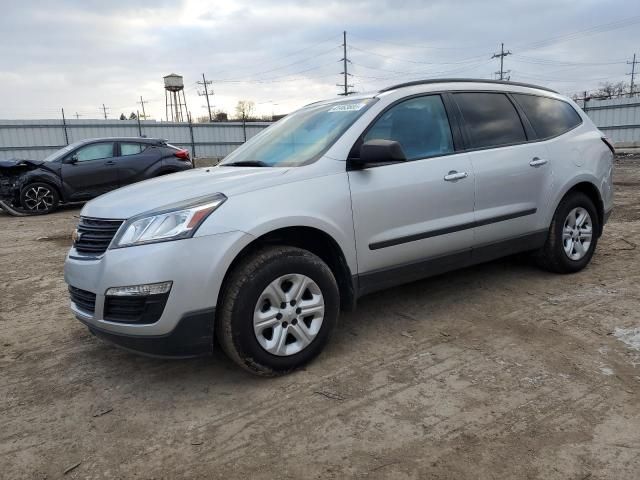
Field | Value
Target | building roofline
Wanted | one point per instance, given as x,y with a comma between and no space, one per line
463,80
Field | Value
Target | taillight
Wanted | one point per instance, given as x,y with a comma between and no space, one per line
609,144
182,154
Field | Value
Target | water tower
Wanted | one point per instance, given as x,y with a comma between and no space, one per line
173,87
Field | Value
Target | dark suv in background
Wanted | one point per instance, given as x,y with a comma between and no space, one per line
84,170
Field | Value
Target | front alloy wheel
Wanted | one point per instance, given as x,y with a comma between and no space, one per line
278,309
288,314
39,198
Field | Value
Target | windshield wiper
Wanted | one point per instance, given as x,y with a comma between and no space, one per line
246,163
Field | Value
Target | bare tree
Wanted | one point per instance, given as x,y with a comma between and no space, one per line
611,90
245,109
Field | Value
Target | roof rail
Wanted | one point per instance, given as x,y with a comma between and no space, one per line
463,80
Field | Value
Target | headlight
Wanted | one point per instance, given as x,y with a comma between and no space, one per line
171,223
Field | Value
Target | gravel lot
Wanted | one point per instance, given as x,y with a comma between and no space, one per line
496,371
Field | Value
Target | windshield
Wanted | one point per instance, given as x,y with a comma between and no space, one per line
299,138
60,153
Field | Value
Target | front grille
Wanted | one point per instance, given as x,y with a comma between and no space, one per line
85,301
95,234
143,310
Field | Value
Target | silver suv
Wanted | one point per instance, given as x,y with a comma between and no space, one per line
337,200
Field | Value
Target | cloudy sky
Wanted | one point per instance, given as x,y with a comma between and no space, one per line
283,54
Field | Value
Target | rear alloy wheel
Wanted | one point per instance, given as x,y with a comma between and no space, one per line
39,198
577,233
278,310
572,237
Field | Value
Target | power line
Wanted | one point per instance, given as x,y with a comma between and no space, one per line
416,46
345,61
206,92
560,63
501,56
626,22
418,62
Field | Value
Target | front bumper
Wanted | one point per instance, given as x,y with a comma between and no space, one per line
192,337
196,266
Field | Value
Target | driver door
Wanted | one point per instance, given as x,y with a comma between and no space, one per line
90,171
415,217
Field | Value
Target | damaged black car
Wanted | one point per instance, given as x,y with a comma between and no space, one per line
83,170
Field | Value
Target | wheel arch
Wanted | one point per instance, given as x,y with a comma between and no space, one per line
31,179
590,189
316,241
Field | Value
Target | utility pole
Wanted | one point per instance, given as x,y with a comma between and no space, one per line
206,92
501,55
104,110
64,125
142,102
633,64
345,71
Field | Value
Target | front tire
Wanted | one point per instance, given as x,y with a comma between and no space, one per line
39,198
573,235
278,310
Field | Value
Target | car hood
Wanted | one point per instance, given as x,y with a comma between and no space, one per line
20,162
177,187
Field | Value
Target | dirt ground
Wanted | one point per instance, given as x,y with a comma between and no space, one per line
496,371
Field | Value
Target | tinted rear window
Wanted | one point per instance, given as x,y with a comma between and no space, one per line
549,117
490,118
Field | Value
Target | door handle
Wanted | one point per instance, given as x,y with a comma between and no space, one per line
537,162
110,162
452,176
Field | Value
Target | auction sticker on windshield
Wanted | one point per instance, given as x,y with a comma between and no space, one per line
349,107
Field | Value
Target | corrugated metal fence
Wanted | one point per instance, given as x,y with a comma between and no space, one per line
618,118
35,139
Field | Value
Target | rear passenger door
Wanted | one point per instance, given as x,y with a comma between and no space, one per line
512,172
135,160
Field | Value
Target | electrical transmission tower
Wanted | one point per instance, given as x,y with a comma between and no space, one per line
501,56
104,110
144,114
633,64
205,84
345,72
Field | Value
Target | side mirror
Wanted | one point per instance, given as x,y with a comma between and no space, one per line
73,159
380,152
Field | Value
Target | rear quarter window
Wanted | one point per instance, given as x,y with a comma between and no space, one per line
131,148
549,117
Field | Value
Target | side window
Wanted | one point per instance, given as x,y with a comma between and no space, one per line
549,117
490,118
131,149
95,151
420,125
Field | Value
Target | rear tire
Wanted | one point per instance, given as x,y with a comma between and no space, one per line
278,310
573,235
39,198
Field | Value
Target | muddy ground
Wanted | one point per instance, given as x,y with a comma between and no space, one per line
496,371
